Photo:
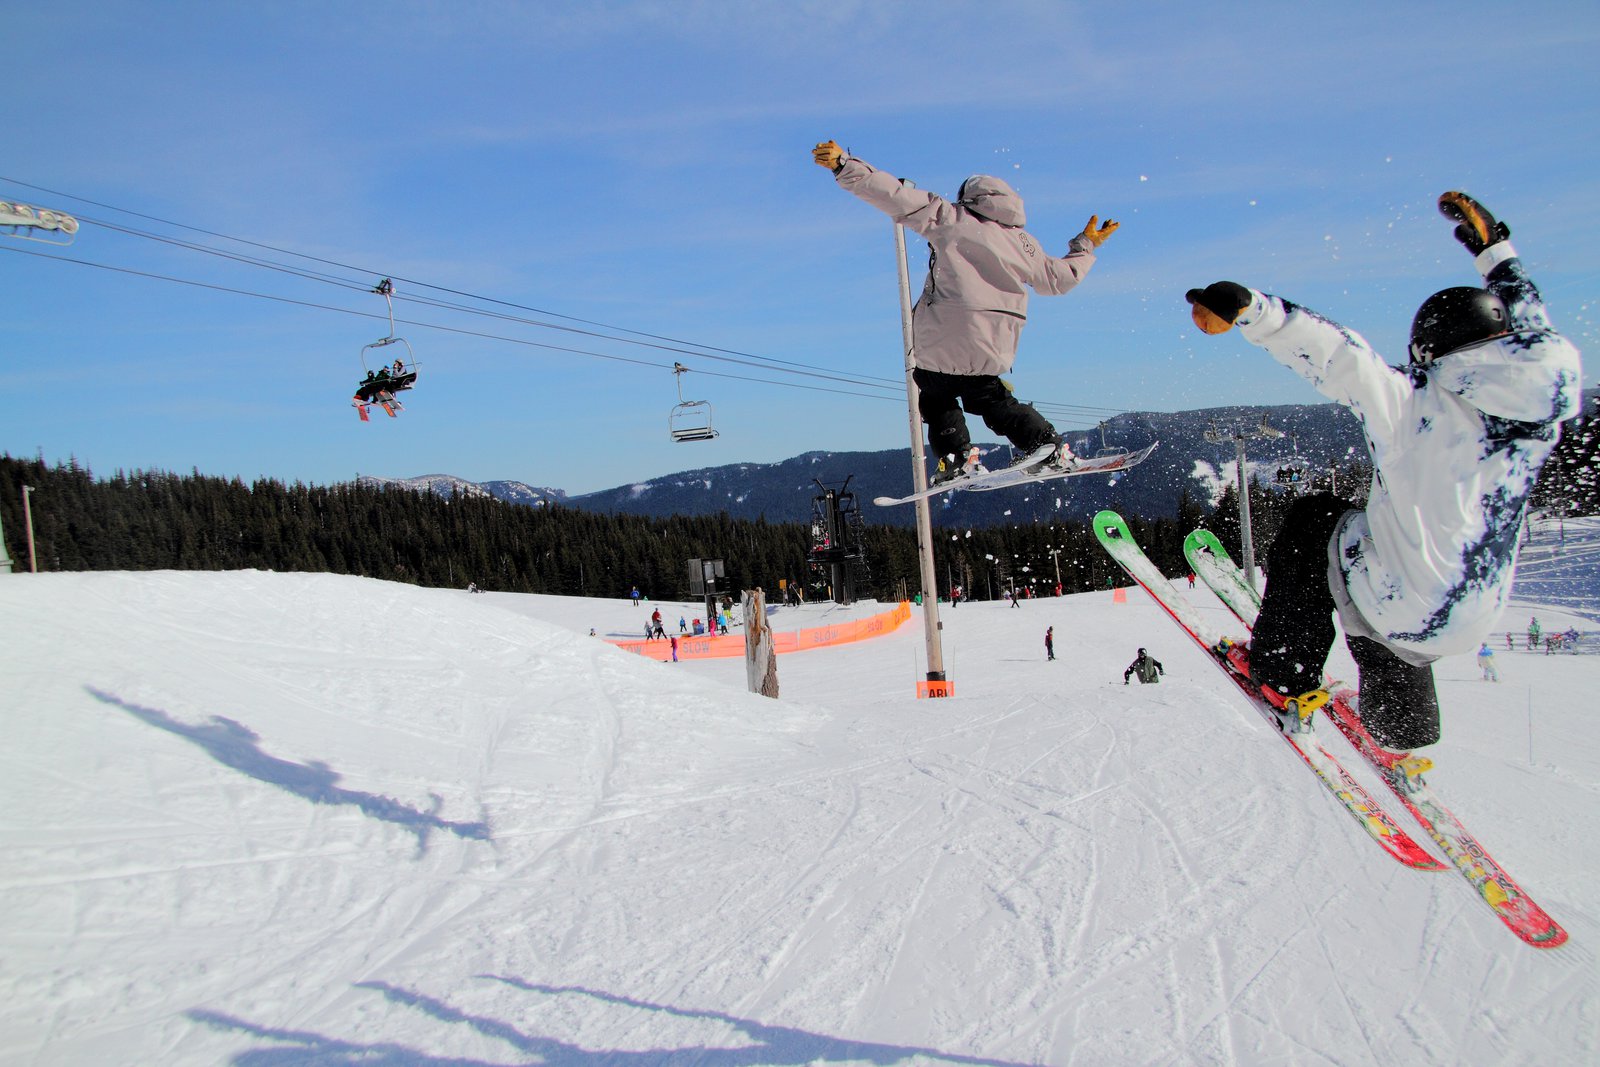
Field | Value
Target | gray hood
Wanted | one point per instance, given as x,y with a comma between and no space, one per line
993,199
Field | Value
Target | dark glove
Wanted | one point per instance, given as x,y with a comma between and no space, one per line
1217,305
828,154
1478,229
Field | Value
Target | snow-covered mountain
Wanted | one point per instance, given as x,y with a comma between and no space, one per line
1321,435
448,484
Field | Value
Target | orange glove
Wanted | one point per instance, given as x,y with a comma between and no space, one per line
1096,234
828,154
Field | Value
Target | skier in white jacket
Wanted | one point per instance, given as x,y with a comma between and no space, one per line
966,325
1456,438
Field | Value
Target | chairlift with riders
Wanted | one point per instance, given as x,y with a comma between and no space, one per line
1294,472
691,419
381,384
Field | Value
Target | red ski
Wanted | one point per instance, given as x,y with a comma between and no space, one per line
1488,879
1351,794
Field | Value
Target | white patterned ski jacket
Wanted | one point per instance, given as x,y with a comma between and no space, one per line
981,263
1456,447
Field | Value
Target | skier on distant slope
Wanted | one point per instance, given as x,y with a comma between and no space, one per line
967,323
1146,667
1456,439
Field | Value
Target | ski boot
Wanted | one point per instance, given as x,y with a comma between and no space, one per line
1403,770
1298,713
1405,773
950,468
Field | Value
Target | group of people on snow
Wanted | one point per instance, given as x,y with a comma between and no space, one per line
1456,437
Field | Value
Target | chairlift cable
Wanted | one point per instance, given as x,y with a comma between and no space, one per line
697,350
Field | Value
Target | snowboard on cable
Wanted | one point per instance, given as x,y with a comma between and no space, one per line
1492,883
1292,723
1031,469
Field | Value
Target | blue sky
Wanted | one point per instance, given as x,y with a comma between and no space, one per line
645,167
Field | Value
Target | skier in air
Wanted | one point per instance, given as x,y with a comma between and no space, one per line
967,323
1456,440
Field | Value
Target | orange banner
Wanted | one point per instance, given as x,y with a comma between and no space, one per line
706,646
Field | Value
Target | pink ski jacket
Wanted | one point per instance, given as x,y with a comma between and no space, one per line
981,264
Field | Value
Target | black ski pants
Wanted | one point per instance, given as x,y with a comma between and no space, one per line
942,396
1294,633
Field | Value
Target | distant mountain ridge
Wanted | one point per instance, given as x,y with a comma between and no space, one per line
1323,434
445,484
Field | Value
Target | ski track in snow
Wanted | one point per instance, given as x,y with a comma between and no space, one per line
243,826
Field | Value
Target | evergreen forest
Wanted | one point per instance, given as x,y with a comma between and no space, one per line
165,521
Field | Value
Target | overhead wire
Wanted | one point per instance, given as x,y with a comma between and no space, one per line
653,341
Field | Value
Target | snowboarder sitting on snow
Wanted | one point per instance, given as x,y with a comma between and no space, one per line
1147,668
967,323
1456,439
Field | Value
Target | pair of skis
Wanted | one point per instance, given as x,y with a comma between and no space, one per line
1490,881
384,400
1025,473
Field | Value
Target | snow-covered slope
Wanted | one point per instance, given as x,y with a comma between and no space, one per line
262,818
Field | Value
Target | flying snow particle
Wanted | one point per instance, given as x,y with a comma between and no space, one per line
1144,177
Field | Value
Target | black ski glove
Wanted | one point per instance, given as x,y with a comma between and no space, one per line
1217,305
1478,229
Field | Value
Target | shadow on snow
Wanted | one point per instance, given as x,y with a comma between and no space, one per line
234,745
780,1046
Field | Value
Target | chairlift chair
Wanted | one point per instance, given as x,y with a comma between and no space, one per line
380,385
691,419
1294,472
1104,449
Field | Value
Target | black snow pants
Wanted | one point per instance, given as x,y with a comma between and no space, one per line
1295,631
942,396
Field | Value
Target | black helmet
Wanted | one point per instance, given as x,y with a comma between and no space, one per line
1454,318
1141,652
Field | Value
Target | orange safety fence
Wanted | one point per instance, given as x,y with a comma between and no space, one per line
707,646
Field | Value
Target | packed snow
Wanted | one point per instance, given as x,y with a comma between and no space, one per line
265,819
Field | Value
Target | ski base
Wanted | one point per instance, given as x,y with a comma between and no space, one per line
1024,474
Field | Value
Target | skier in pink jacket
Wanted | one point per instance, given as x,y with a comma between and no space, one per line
967,323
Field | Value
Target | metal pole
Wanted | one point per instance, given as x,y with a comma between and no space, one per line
919,480
1244,513
5,560
27,520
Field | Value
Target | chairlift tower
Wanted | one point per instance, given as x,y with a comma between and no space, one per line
703,575
1239,435
838,540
